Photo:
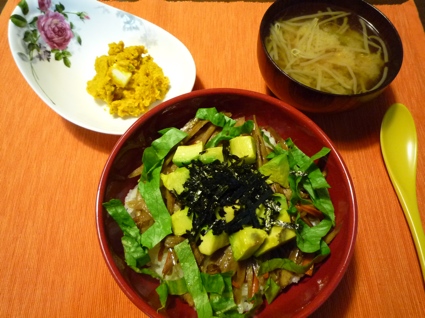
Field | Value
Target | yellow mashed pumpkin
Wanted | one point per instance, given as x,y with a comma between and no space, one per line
128,80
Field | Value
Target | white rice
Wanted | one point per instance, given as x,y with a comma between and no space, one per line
131,196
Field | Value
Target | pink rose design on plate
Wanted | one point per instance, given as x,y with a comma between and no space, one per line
55,30
49,33
44,5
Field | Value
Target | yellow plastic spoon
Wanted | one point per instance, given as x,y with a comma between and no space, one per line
399,149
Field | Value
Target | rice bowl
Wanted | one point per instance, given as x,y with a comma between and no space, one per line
268,110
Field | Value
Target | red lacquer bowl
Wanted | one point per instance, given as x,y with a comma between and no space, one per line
297,301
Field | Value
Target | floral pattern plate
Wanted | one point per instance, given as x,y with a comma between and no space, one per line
55,44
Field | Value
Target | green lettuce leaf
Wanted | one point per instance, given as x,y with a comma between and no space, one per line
150,181
281,263
286,263
316,178
162,291
305,175
321,200
309,239
213,283
151,193
153,155
322,153
176,286
135,254
217,118
227,124
169,287
223,303
193,279
300,161
271,290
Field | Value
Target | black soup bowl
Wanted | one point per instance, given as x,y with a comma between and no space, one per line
312,100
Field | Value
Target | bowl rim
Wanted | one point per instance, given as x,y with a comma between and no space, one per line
264,25
128,290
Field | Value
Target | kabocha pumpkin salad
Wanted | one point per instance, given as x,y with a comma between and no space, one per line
225,214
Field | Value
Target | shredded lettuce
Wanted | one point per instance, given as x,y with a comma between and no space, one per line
162,291
223,302
322,153
150,181
227,124
150,191
193,279
216,118
213,283
153,155
217,286
271,290
135,244
321,200
305,175
309,239
281,263
176,286
135,254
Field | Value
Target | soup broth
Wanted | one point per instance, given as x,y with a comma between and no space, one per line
329,50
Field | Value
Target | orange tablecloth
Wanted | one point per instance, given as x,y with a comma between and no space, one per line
52,265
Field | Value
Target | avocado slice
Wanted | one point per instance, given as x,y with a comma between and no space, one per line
278,235
211,243
246,241
186,153
181,222
229,213
175,180
212,154
277,170
244,147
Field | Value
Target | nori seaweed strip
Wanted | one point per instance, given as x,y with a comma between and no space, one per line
232,183
248,215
